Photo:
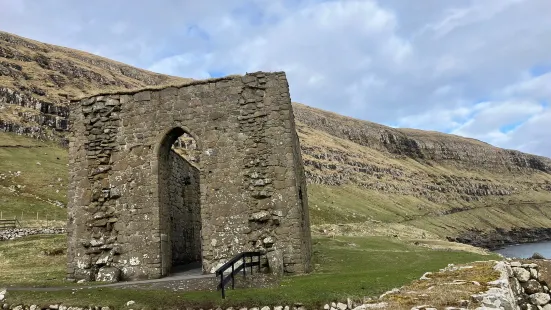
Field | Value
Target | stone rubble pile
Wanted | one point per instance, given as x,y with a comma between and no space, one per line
349,304
10,234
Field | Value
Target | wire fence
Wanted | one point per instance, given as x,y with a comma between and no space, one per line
35,219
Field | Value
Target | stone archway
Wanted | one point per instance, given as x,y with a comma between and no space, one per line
253,194
179,200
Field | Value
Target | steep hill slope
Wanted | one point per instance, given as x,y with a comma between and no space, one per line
442,183
360,173
38,79
33,179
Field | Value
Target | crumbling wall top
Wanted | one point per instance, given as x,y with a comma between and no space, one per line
176,85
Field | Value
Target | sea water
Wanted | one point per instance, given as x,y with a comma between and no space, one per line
525,250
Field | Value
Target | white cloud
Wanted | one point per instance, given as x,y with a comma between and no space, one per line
487,122
191,63
455,66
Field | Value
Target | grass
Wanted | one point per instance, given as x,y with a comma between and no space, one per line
81,73
33,261
428,196
345,267
33,176
351,204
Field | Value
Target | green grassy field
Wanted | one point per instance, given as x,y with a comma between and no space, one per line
33,261
345,267
33,178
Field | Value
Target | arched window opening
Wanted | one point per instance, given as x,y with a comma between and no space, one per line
186,147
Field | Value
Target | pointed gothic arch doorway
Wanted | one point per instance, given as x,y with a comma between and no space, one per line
179,200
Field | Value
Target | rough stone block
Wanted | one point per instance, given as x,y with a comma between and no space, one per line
108,274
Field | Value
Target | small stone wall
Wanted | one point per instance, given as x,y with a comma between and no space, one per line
499,296
530,286
10,234
522,286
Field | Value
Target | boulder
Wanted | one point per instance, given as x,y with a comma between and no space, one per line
275,262
108,274
534,273
540,299
521,274
341,306
532,286
516,287
537,255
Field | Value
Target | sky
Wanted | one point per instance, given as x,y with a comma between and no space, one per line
479,69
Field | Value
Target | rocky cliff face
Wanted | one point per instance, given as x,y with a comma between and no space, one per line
446,184
37,80
420,145
389,160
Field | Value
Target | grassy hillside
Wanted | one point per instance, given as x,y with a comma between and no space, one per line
358,172
33,178
54,73
351,182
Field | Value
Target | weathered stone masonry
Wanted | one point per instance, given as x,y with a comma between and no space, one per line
251,180
184,212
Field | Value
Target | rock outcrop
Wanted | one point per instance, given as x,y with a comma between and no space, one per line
420,145
37,80
499,238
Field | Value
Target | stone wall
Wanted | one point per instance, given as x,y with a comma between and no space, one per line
14,233
523,285
530,284
185,203
252,184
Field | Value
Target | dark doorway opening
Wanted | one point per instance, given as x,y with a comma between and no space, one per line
179,201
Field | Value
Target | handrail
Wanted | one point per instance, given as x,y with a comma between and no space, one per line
234,270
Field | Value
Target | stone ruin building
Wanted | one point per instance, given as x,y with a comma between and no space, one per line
137,209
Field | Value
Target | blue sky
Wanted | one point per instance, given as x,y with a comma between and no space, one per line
479,69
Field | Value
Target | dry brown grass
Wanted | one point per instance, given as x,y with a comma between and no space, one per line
74,86
445,288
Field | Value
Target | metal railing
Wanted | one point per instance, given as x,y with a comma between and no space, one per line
224,279
9,224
